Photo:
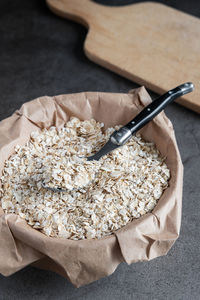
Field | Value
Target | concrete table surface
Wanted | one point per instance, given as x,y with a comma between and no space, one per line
41,54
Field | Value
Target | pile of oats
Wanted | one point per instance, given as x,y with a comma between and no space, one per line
123,185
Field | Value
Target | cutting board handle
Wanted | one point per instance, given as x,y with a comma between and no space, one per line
81,11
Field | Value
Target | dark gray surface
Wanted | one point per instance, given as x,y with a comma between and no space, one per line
41,54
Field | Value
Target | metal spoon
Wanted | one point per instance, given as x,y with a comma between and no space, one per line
121,136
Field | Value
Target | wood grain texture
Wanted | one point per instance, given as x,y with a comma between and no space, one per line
148,43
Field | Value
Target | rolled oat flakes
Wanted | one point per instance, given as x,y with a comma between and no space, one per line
121,186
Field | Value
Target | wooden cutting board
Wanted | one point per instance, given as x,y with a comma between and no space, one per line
148,43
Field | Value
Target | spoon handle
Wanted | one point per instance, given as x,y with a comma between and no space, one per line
121,136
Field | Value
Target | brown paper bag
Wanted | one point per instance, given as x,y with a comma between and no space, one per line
85,261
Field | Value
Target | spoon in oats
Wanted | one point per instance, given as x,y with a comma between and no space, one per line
87,169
